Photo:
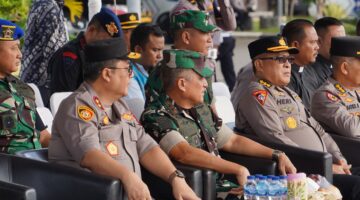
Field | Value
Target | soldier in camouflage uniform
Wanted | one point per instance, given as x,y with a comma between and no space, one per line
191,134
19,121
336,104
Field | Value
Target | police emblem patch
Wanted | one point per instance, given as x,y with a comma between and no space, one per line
112,149
291,122
331,97
111,28
260,96
85,113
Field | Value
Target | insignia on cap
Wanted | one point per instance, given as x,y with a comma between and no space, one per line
112,149
111,28
358,52
282,42
132,18
260,96
85,113
291,122
331,97
8,32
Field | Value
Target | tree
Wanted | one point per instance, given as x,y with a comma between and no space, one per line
15,10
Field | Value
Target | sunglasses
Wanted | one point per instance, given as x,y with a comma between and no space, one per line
280,59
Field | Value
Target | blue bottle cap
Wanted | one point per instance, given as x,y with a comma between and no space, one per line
250,177
275,178
283,177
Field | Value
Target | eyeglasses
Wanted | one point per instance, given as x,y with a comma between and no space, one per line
280,59
129,69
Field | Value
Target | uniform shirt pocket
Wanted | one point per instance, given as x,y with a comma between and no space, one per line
110,141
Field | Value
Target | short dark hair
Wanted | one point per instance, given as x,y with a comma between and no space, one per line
294,30
170,75
140,35
321,25
92,69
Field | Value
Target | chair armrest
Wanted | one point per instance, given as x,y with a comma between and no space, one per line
348,148
310,162
75,183
10,191
160,189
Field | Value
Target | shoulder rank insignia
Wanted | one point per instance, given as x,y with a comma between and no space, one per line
111,28
339,88
291,122
331,97
85,113
260,96
112,149
97,102
264,83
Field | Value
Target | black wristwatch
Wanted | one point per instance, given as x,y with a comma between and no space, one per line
276,154
176,173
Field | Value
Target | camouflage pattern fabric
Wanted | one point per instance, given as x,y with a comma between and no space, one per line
17,117
162,115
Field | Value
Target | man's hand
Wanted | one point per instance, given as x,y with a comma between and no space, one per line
341,168
241,178
182,191
135,187
285,165
44,138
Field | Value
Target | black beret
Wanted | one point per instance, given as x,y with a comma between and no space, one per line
270,44
348,46
114,48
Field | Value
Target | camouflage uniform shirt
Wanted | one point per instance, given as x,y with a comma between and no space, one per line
17,116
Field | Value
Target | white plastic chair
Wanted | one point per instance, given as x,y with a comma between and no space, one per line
46,117
221,89
136,106
38,99
56,99
225,109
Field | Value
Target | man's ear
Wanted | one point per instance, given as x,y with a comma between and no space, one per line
138,49
258,64
106,74
181,84
344,68
295,44
185,36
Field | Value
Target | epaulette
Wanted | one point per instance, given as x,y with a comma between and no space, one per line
264,83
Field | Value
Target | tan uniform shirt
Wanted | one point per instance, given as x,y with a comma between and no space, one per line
337,108
81,125
277,114
243,78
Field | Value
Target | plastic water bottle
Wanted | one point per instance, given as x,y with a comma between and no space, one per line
283,187
250,188
262,189
274,188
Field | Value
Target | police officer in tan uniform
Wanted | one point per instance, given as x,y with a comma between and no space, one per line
95,130
275,113
336,105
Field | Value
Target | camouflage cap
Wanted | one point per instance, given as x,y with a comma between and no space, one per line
187,60
191,19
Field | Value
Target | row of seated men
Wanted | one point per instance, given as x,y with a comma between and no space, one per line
179,114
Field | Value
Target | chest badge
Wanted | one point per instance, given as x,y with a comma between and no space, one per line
260,96
291,122
85,113
112,149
